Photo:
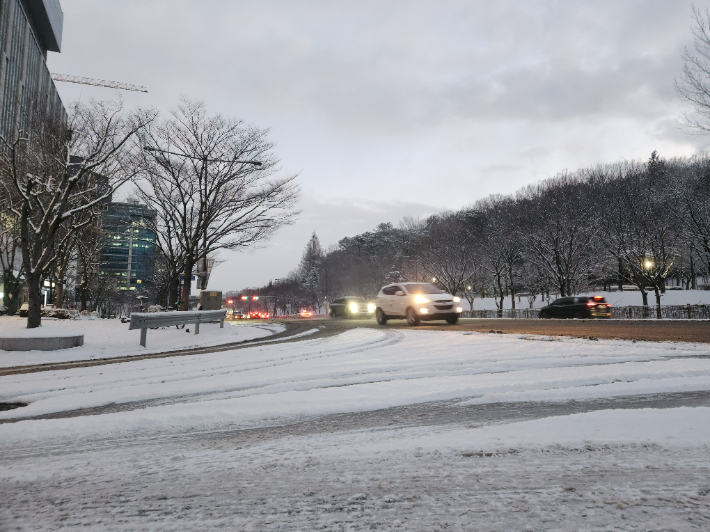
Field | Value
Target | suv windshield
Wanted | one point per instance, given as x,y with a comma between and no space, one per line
422,288
355,299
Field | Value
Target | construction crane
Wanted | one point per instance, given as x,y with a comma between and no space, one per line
98,82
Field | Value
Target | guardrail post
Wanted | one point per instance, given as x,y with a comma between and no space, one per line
197,327
144,335
221,323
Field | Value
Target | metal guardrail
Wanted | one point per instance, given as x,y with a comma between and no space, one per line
671,312
146,320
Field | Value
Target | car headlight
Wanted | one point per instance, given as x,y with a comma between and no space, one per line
353,307
420,299
371,307
459,309
457,299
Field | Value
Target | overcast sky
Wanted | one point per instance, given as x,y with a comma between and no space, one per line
388,109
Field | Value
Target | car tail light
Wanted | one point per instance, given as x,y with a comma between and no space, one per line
591,303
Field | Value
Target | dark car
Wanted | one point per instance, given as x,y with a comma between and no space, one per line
350,307
577,307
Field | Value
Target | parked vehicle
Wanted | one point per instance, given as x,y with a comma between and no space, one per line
351,307
416,302
582,307
305,314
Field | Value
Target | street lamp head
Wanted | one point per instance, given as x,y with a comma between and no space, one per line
648,264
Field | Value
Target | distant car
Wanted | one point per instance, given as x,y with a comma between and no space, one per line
305,314
416,302
258,315
582,307
351,307
237,315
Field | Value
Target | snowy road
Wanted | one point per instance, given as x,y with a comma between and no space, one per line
371,429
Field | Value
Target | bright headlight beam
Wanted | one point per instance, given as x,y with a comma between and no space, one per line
353,307
419,299
457,299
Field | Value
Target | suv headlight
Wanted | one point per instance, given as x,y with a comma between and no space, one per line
371,307
353,307
457,299
420,299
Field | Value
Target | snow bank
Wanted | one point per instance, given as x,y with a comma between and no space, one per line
111,338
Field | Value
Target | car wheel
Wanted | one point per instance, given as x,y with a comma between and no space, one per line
332,313
412,318
381,317
452,320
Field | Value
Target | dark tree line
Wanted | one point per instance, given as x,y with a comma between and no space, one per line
632,223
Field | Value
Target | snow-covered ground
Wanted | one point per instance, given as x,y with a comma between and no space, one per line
617,299
111,338
325,434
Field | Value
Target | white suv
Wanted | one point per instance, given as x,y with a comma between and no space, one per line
416,302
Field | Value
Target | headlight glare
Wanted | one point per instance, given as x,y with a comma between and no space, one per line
371,307
353,307
457,299
419,299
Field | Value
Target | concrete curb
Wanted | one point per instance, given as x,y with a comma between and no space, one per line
41,344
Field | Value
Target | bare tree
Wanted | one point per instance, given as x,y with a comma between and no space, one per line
450,253
694,83
51,173
560,236
198,175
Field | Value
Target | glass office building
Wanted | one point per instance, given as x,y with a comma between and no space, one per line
28,30
128,251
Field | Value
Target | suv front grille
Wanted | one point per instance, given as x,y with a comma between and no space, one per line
443,307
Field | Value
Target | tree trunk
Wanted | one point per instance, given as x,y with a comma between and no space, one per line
173,291
187,276
692,272
658,302
59,298
34,310
619,277
83,299
644,297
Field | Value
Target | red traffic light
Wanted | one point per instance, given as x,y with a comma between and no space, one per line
255,298
244,298
229,302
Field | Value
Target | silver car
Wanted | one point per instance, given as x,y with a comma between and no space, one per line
416,302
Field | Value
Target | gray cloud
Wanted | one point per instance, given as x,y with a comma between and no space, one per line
402,103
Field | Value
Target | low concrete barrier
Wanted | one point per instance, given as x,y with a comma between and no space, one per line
48,343
146,320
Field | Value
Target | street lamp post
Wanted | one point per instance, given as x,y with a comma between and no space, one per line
205,160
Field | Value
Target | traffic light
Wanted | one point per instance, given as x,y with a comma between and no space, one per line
229,302
255,298
244,298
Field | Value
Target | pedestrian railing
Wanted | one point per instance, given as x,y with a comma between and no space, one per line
153,320
671,312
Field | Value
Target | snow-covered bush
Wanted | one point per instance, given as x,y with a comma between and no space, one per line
60,313
154,308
